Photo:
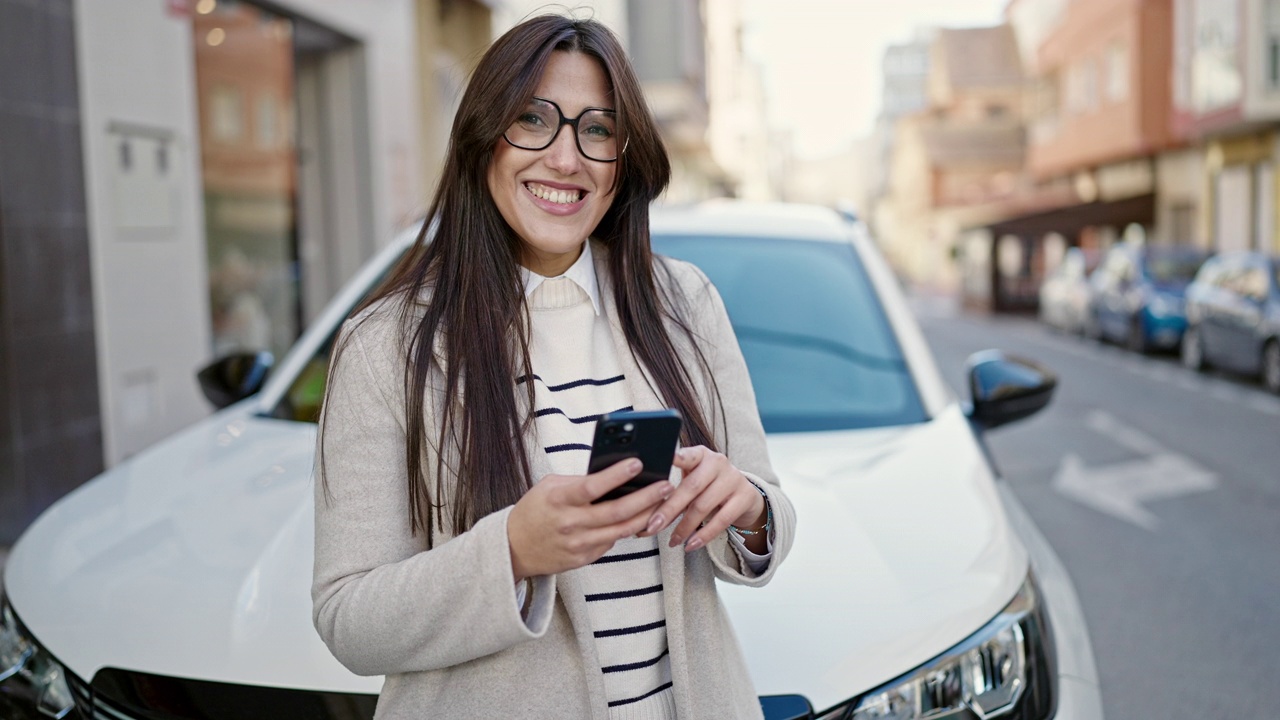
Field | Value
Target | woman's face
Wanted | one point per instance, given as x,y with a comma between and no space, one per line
554,198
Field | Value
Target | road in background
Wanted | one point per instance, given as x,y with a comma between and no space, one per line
1160,490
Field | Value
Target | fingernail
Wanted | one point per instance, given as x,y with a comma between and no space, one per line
675,540
635,465
655,522
694,544
667,490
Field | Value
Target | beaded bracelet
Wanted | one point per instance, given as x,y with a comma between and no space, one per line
768,516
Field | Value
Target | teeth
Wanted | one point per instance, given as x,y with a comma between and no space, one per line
560,197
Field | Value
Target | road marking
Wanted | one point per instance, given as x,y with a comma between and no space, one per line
1121,489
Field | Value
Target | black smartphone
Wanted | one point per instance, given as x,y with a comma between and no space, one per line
648,435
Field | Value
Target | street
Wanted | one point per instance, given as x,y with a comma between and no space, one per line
1160,490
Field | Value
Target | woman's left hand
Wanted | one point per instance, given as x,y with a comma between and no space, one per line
714,494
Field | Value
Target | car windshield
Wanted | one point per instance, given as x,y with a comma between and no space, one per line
817,344
1172,268
816,340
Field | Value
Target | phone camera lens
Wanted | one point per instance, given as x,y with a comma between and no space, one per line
611,430
624,440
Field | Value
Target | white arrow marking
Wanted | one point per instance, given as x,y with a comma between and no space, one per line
1121,489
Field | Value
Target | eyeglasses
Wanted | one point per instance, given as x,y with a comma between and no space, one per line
595,130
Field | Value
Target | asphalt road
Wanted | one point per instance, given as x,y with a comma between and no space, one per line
1160,490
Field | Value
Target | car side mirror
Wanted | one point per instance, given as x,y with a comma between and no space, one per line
1005,388
235,377
786,707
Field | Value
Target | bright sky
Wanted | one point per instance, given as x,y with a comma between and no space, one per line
822,58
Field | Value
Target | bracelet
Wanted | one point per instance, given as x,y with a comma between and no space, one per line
768,521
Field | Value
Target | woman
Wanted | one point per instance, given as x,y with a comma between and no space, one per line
458,550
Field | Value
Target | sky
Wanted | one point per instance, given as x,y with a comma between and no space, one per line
821,58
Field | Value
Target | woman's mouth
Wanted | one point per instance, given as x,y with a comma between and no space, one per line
554,195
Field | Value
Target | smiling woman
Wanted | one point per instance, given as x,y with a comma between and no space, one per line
462,547
554,196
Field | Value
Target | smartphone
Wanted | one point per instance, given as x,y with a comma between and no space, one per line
649,435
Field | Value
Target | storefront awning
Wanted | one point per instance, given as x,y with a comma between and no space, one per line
1069,221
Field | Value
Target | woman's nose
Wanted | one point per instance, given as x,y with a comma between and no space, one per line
562,155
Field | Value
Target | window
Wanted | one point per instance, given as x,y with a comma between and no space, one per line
1117,72
1272,44
226,113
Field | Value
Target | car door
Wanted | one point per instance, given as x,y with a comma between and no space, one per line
1245,317
1214,309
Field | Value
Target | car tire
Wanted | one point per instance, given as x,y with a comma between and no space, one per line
1193,350
1137,339
1271,366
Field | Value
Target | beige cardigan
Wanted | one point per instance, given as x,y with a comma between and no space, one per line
442,624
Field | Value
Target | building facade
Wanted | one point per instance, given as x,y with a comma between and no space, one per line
1104,159
1227,98
222,168
955,162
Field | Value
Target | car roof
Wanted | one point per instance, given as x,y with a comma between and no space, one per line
737,218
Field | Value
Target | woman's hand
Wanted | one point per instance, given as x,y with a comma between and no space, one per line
554,527
713,494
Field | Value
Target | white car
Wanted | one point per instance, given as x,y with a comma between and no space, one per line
176,585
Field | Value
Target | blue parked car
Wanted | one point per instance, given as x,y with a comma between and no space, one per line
1233,315
1137,295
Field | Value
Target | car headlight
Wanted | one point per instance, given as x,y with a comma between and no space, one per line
1000,672
33,684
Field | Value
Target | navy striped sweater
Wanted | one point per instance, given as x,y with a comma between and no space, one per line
577,378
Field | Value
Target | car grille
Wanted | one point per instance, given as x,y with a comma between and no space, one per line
123,695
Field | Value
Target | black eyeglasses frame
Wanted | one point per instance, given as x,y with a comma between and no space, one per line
571,122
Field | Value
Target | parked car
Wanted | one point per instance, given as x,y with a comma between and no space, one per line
1064,294
176,584
1233,316
1137,295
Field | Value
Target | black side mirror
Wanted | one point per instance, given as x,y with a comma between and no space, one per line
1006,388
233,378
786,707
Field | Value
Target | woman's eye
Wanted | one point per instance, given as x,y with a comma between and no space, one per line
531,118
598,131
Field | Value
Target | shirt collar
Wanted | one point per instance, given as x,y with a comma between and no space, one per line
582,272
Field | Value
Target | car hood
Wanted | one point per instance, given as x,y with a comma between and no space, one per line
194,560
902,550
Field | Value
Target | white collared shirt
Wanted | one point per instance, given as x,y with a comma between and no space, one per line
582,272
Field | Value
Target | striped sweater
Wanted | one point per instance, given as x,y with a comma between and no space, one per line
577,379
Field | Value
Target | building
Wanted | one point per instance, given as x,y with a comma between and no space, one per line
1103,155
187,178
955,162
1227,98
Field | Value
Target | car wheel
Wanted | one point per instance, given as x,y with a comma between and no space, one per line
1192,349
1271,366
1137,340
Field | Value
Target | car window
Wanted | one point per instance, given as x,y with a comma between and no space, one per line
1171,268
1253,283
302,401
1210,274
816,340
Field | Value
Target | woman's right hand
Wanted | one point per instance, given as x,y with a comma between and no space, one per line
554,527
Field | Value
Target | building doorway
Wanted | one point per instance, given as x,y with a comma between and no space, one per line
283,169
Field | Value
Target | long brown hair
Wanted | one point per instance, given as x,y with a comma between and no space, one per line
476,312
